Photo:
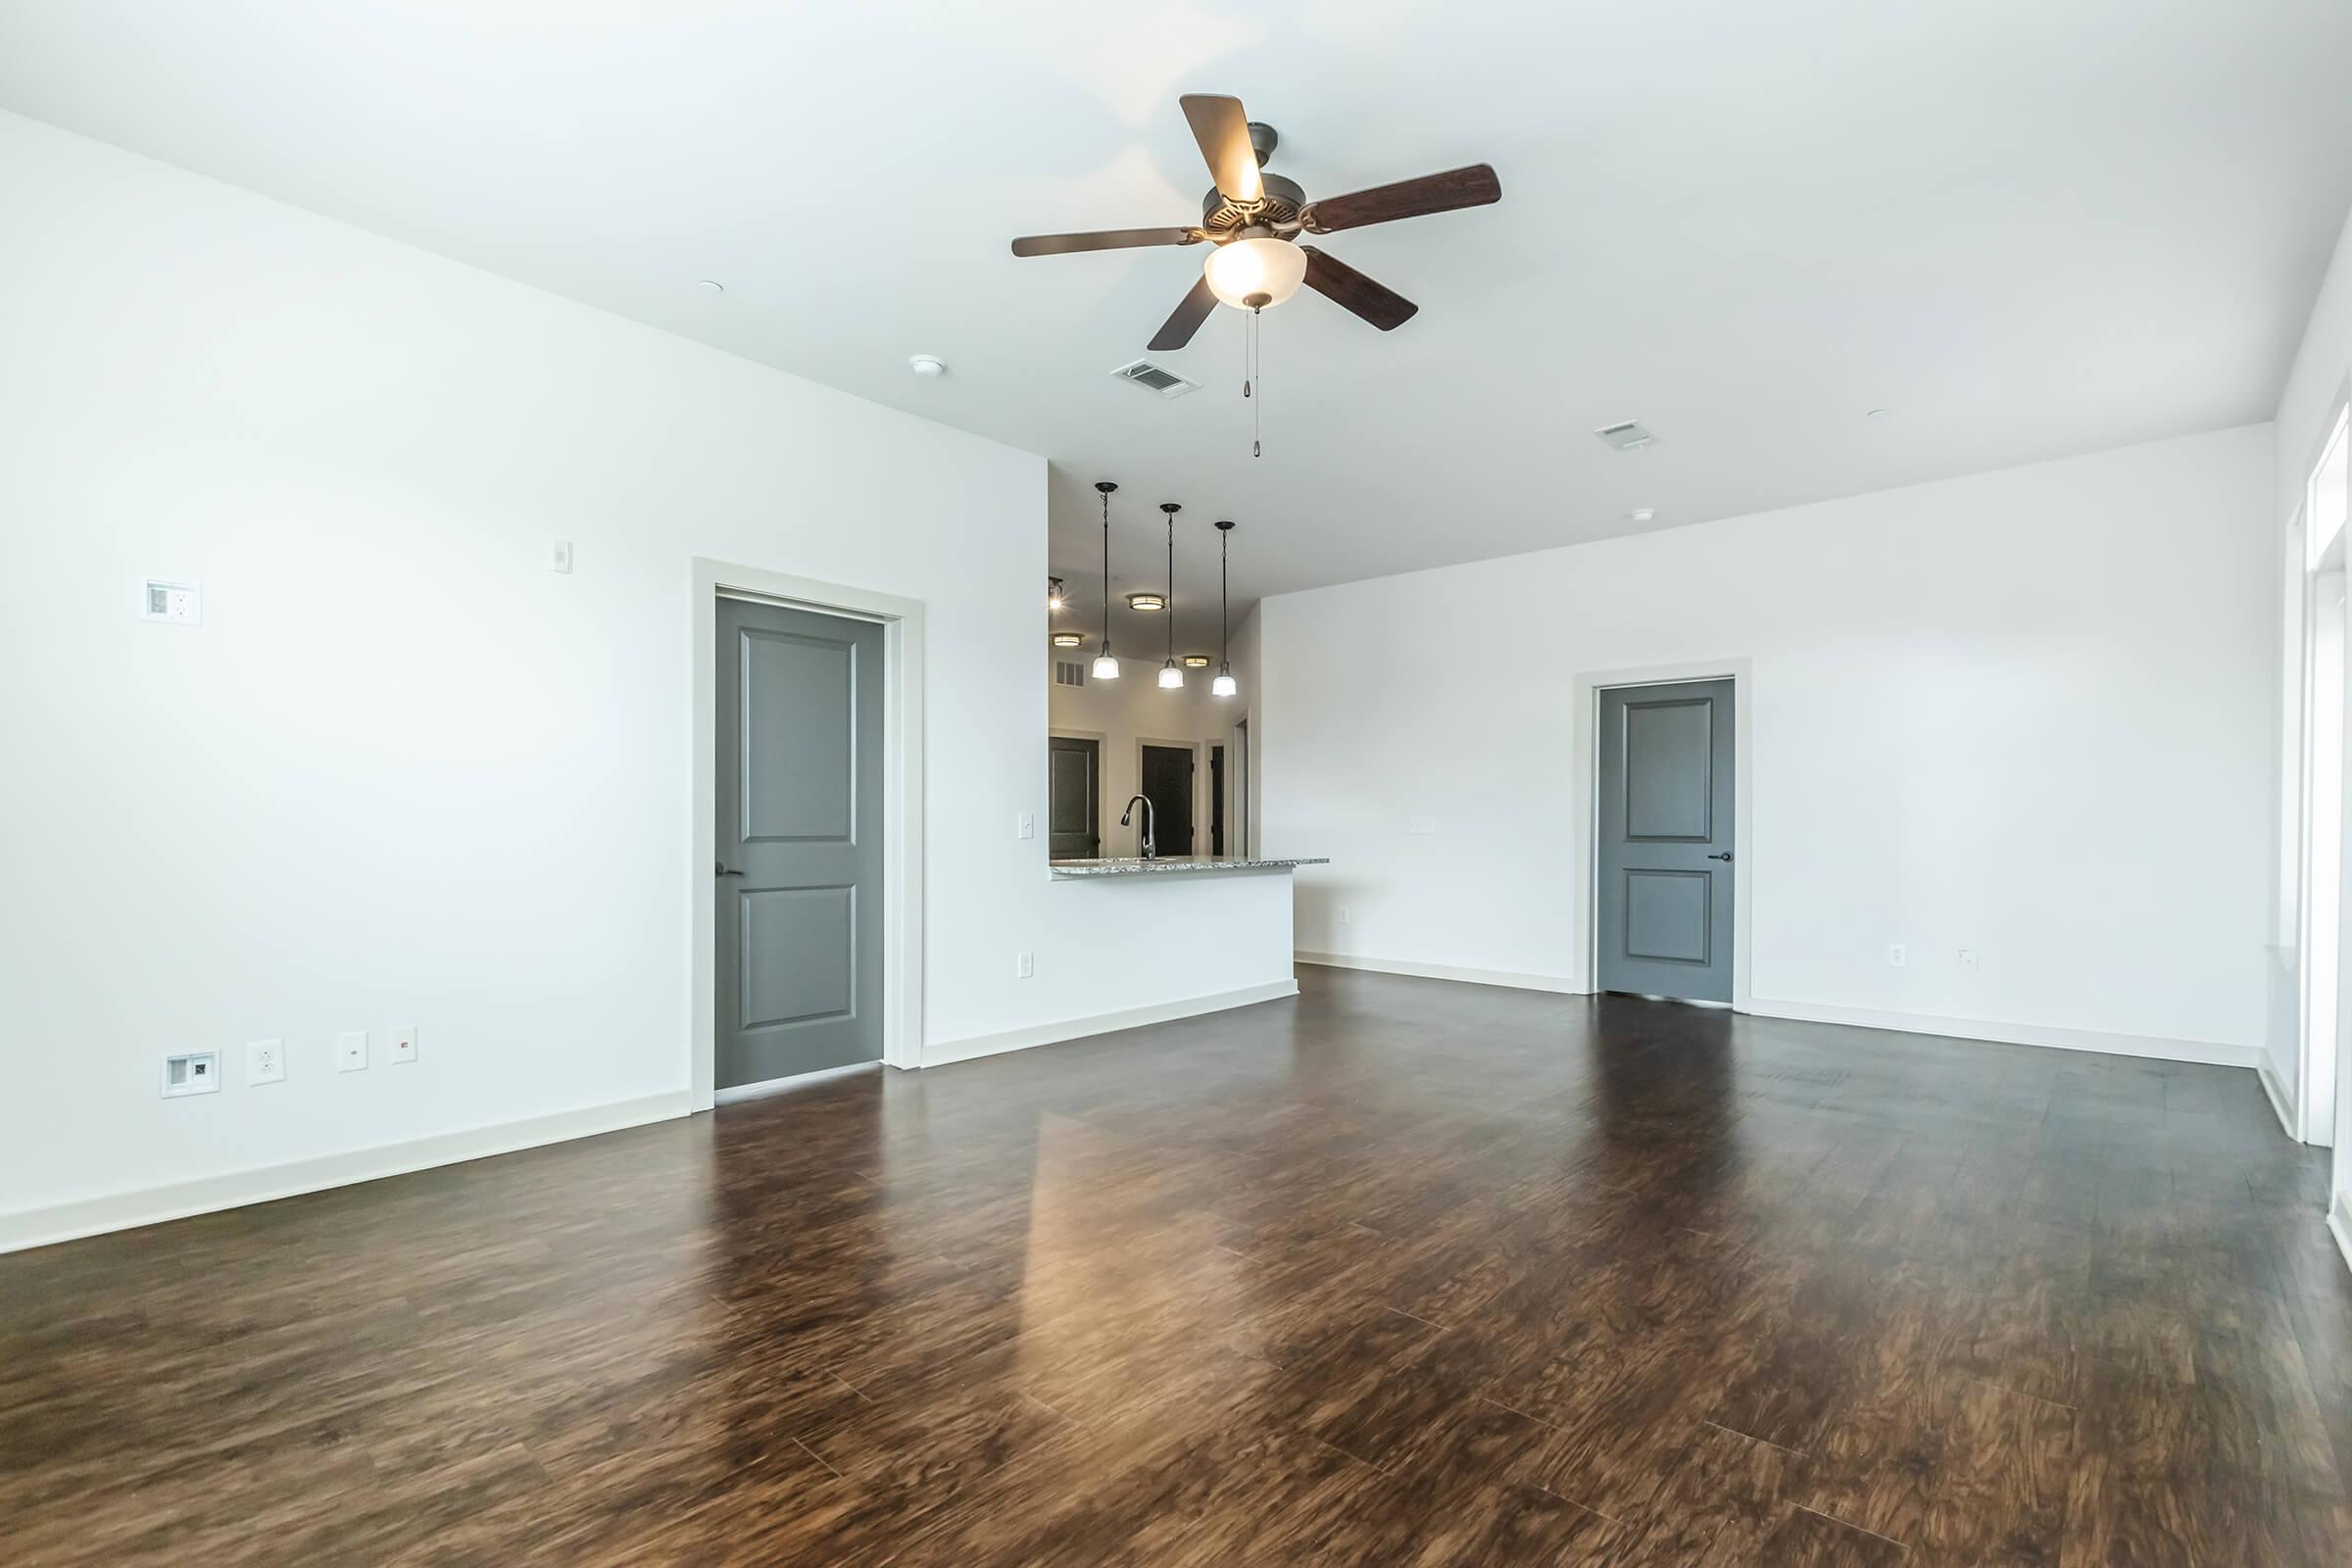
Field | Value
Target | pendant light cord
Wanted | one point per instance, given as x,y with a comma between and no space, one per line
1105,653
1171,607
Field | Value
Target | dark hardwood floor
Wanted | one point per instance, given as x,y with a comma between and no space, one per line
1403,1272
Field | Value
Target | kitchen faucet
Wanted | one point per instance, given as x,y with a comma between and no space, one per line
1151,848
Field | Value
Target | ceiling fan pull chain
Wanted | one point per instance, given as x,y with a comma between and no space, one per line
1256,372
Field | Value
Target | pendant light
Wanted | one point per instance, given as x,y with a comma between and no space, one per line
1224,685
1107,667
1053,596
1170,678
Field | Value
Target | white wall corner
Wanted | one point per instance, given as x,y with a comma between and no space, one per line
2339,1225
2275,1092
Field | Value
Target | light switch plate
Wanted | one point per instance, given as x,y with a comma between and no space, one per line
1896,956
558,555
265,1062
1024,966
351,1051
403,1045
1024,826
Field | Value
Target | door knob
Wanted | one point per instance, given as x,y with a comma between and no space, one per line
1724,856
722,871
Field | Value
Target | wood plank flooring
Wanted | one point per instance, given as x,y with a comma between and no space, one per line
1403,1272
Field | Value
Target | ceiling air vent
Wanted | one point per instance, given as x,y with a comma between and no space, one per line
1146,374
1629,436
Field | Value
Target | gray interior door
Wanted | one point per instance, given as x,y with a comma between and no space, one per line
799,879
1073,798
1666,855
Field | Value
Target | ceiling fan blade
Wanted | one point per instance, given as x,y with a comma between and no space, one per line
1180,327
1223,132
1344,285
1101,239
1474,186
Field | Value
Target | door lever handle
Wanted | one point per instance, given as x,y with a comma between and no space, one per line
723,870
1724,856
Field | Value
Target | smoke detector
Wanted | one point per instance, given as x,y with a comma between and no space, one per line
1154,379
1629,436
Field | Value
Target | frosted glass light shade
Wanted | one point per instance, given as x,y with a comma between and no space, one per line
1224,685
1170,678
1255,273
1105,666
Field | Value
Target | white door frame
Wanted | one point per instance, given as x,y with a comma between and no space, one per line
1585,805
902,621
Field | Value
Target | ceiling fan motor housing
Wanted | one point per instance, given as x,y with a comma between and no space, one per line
1281,205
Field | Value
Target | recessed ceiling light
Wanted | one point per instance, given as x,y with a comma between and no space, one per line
711,285
928,365
1643,514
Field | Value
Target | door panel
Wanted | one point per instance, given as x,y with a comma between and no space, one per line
1074,798
1665,863
798,884
1168,785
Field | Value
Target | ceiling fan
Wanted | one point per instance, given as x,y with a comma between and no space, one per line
1255,218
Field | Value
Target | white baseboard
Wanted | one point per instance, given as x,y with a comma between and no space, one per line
2275,1093
1445,971
1102,1023
2339,1225
2207,1053
120,1212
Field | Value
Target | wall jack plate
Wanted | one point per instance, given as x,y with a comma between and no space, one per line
191,1072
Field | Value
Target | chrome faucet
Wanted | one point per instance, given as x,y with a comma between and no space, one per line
1151,844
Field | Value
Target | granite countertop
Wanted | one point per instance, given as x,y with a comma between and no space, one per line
1178,864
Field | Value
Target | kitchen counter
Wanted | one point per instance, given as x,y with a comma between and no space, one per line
1179,864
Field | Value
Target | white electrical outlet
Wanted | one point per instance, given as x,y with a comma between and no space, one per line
1024,966
1896,956
191,1072
265,1062
403,1044
558,555
1968,960
1343,915
351,1051
1420,824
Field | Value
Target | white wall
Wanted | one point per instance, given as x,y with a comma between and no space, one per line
2025,713
2315,389
403,773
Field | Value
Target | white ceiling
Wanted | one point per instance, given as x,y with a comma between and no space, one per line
2027,228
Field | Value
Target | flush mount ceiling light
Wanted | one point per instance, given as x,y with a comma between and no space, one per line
1147,602
1170,678
1107,667
1053,596
1068,639
1195,660
1224,685
928,366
